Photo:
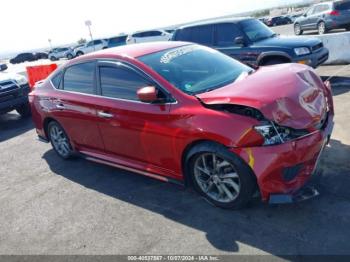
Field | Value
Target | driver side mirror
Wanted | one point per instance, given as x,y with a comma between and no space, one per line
148,94
3,67
239,41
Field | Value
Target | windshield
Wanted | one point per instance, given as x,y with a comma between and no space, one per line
196,69
256,30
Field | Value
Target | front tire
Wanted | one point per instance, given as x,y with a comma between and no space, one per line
24,110
79,53
321,28
59,140
221,177
69,56
297,29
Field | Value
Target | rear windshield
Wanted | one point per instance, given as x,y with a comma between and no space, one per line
196,69
342,5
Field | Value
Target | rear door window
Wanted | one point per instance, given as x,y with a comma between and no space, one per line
226,34
183,34
80,78
203,35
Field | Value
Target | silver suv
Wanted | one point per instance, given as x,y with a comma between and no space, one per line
324,17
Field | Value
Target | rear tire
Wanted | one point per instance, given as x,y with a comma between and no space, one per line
220,176
347,28
24,110
298,30
59,140
321,28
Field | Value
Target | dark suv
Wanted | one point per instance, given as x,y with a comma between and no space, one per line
253,43
324,17
14,91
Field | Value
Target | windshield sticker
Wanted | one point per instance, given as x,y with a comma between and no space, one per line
169,56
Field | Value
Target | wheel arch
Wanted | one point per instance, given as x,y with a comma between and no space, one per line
198,146
263,58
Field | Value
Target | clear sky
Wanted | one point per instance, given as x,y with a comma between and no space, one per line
28,24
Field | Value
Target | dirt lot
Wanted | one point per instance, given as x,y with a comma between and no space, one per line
51,206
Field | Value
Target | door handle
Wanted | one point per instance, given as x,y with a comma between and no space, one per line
60,106
104,114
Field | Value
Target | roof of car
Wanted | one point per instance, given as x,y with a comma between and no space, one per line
136,50
217,21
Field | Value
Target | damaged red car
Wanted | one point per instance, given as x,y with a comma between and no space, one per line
182,112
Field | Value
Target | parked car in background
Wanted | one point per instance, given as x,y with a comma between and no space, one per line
40,55
23,57
253,43
278,20
193,115
14,91
58,53
263,20
91,46
324,17
116,41
148,36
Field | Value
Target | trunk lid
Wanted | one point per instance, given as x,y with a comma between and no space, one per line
291,95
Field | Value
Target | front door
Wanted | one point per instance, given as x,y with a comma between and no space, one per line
131,130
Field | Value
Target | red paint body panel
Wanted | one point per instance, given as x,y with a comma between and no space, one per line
153,138
290,94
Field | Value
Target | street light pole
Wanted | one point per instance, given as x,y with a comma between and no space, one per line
50,43
88,24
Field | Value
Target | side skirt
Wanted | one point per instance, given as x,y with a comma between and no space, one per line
140,172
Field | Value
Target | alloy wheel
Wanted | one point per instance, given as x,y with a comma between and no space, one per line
321,28
217,177
60,141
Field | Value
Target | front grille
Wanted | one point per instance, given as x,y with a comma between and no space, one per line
317,47
7,86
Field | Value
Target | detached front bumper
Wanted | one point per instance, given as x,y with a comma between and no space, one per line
282,170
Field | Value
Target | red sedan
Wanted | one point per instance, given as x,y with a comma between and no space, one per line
182,112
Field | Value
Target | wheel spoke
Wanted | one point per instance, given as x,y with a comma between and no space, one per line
209,186
221,191
229,175
233,184
214,162
204,171
223,164
227,191
204,162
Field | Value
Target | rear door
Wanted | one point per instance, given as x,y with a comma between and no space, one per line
131,130
74,107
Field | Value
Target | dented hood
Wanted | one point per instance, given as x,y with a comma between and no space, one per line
291,95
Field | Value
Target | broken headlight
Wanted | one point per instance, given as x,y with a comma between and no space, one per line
275,135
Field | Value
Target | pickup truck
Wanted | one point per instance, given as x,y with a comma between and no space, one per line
14,89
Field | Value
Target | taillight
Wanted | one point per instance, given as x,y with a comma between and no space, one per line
334,13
